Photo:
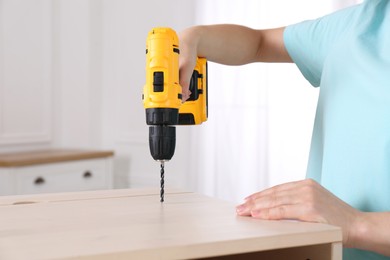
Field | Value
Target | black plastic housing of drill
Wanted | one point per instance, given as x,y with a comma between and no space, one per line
162,132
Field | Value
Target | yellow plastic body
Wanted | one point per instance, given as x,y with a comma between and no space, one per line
162,55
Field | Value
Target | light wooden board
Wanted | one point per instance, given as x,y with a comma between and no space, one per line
18,159
133,224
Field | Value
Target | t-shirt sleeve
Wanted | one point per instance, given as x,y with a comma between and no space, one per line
309,42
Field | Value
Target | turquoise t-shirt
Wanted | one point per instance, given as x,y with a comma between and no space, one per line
347,55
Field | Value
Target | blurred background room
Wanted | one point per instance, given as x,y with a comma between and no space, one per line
71,77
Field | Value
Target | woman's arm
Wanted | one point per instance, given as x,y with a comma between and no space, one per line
232,44
372,232
228,44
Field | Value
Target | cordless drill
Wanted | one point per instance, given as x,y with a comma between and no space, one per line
162,95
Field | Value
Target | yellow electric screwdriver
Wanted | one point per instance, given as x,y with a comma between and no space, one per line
162,95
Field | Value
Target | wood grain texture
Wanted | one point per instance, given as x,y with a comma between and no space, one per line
49,156
133,224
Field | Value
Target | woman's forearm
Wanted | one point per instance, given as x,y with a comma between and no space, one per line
235,44
371,232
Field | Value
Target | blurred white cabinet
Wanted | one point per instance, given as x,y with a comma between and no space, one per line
55,171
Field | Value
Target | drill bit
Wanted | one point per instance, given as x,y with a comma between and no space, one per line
162,182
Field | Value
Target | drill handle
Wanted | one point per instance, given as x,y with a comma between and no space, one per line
195,110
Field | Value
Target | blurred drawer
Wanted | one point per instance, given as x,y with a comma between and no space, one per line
55,170
62,177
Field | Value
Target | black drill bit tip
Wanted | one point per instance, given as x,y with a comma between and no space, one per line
162,182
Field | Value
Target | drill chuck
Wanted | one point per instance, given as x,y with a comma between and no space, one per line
162,133
162,142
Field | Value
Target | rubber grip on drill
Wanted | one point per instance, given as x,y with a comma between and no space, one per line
162,116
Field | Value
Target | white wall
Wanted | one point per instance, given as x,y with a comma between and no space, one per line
25,46
72,73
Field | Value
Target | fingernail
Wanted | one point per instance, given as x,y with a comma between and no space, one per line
240,208
255,213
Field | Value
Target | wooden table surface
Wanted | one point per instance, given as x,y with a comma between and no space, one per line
133,224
